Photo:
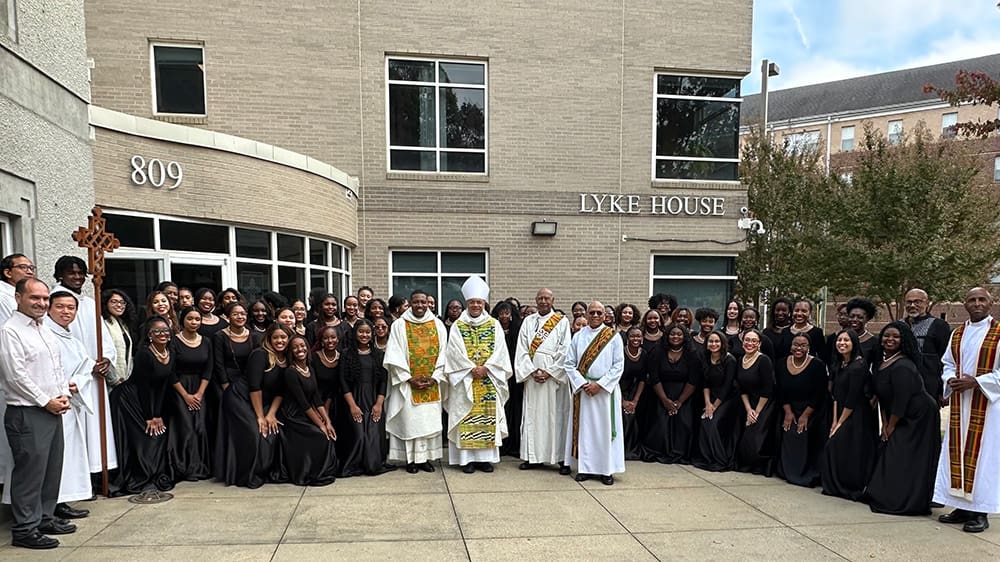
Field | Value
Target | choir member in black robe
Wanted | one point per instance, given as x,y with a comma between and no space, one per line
632,384
801,382
307,436
188,443
781,319
510,321
137,413
802,323
211,323
721,420
755,450
362,442
906,465
933,335
674,375
749,318
326,365
859,313
849,455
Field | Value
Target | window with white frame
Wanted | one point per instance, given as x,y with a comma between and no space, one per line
696,122
696,281
436,115
8,19
6,248
440,273
847,138
895,131
806,141
996,169
179,82
948,122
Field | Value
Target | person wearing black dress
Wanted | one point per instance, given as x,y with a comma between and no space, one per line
363,445
781,319
510,321
755,450
652,329
632,383
802,323
307,436
211,323
188,446
329,315
326,365
849,455
674,375
137,410
749,318
720,419
859,313
801,381
906,465
231,347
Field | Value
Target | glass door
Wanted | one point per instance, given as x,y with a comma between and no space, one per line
196,273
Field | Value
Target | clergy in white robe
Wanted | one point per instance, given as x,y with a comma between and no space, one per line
539,364
84,329
595,440
414,357
477,366
968,475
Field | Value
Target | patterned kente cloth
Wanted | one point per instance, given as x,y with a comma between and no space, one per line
963,462
478,429
424,347
594,349
543,333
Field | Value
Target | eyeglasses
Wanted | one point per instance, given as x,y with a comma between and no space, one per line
116,302
596,313
160,331
25,267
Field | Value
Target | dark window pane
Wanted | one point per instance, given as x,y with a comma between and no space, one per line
180,81
337,253
253,244
292,282
693,265
135,278
196,276
411,115
463,118
698,86
462,73
414,262
696,293
415,160
132,232
704,129
338,286
317,252
696,170
463,262
252,279
290,248
411,70
194,237
403,285
451,288
473,162
318,280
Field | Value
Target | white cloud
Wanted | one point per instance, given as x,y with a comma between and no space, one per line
798,24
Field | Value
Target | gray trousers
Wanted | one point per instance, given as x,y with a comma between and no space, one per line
36,445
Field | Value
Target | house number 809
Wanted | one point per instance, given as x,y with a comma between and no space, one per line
156,173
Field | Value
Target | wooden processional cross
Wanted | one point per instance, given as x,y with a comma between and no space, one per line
98,242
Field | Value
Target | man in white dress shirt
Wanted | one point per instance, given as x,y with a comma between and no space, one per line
13,268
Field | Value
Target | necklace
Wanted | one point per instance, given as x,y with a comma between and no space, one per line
242,332
187,341
865,336
634,357
209,316
365,351
797,366
159,355
303,370
891,357
747,364
336,356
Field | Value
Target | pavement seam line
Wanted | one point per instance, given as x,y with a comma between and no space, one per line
115,520
451,499
615,517
289,524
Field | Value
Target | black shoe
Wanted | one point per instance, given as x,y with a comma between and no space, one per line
580,477
56,528
528,465
411,468
35,540
564,470
388,468
936,505
485,467
957,516
607,480
64,511
426,467
977,524
469,468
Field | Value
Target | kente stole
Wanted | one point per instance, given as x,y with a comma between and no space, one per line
424,347
593,351
543,333
963,462
478,429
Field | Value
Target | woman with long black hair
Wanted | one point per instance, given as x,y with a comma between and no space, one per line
674,375
188,443
307,436
363,443
720,420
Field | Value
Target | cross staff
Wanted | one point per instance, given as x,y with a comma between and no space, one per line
98,241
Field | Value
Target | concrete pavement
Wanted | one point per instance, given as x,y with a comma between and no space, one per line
653,512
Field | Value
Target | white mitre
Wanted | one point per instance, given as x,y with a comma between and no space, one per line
475,288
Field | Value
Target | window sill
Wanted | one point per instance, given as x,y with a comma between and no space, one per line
182,119
733,185
433,176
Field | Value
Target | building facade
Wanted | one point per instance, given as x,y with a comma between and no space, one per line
46,167
591,149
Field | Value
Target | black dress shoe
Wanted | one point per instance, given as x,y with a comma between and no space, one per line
411,468
528,465
580,477
564,470
56,528
607,480
64,511
469,468
957,516
35,540
977,524
485,467
426,467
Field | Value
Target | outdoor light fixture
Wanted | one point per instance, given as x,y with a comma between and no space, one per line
544,228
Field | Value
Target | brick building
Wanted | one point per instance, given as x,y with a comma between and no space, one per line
340,144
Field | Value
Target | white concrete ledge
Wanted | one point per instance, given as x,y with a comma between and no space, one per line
194,136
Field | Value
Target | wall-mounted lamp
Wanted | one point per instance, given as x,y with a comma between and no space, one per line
544,228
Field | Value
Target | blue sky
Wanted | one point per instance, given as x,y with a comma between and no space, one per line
817,41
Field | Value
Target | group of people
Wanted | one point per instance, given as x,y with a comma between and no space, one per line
211,386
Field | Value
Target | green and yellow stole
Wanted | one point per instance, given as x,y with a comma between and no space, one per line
963,462
478,429
424,348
